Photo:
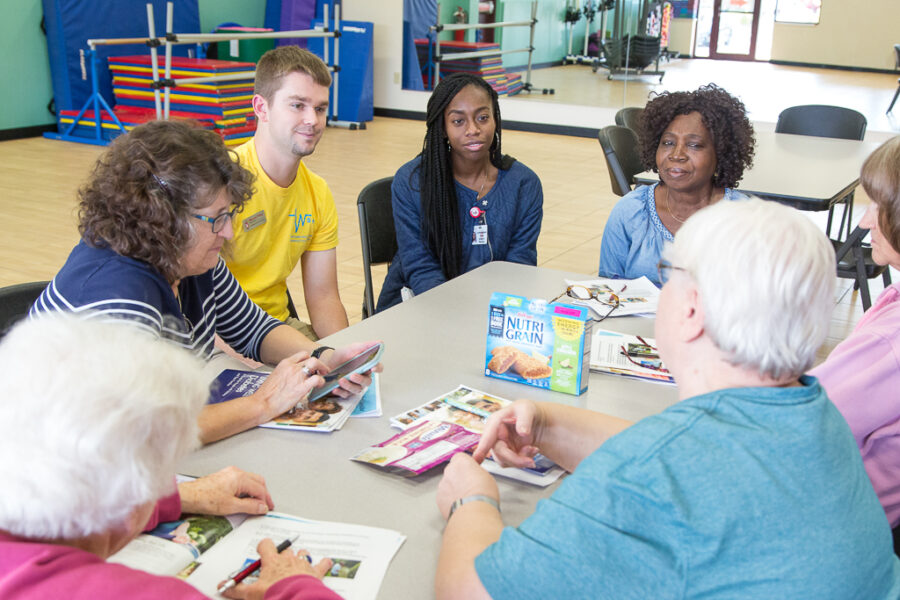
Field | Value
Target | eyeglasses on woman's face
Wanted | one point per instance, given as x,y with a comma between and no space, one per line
664,269
219,221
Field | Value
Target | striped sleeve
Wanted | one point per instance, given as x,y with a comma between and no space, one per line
240,322
140,314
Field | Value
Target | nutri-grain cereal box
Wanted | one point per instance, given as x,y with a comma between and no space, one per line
532,342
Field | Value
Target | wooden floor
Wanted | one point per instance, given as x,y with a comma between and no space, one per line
39,179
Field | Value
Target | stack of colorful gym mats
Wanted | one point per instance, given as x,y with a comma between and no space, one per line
223,106
490,68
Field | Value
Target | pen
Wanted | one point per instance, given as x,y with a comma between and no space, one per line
245,572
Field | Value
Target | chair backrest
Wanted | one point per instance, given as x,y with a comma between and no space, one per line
822,121
897,57
16,301
376,233
623,157
628,117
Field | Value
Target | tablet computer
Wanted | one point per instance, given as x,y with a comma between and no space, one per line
360,363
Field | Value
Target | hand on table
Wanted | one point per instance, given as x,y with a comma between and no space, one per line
289,384
511,434
275,567
355,383
226,492
464,477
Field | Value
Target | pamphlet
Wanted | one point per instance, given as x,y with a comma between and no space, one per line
459,408
629,356
204,550
324,415
615,297
370,402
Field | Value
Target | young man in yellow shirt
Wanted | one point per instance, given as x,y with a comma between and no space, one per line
291,216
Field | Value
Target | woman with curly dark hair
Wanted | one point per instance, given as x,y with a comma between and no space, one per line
700,143
153,217
461,202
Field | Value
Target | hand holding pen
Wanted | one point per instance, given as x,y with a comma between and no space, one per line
274,565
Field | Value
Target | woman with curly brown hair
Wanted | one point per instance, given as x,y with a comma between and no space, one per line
153,217
699,142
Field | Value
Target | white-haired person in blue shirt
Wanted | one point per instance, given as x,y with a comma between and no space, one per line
751,486
94,419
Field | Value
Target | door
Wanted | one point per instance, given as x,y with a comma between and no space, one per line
734,27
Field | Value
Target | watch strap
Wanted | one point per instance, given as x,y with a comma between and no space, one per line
474,498
317,353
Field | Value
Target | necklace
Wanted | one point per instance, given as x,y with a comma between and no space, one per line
669,208
483,182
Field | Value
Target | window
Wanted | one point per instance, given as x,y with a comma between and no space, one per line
798,11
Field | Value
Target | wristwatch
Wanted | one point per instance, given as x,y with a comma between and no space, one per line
476,497
317,353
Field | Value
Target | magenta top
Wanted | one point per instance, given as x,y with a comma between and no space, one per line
862,378
32,570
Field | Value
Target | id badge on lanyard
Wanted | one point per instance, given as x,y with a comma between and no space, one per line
479,230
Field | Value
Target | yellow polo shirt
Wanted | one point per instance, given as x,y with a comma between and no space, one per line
275,228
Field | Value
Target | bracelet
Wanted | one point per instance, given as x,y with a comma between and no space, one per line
476,497
317,353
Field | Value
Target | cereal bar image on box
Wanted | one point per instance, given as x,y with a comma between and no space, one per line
503,358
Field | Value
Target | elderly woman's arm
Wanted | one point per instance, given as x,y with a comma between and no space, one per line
564,434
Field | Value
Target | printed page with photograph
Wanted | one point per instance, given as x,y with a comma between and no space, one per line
614,297
628,355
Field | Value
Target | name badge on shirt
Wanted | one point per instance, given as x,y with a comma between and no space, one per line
479,235
254,220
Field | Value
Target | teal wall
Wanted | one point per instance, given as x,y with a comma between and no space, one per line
551,33
26,89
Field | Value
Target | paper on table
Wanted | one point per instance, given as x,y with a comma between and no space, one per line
370,403
363,553
637,297
607,357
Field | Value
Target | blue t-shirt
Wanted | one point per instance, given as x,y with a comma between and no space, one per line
115,287
634,236
513,212
743,493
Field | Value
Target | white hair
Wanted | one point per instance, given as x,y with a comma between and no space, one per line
93,419
766,276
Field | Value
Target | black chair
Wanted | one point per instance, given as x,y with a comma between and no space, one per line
628,117
16,301
376,233
623,157
292,311
854,261
897,67
826,121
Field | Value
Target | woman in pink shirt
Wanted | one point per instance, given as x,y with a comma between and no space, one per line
862,374
93,419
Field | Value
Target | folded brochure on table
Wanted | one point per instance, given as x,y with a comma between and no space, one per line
451,423
204,550
324,415
628,355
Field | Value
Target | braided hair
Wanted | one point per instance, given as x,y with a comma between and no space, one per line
440,210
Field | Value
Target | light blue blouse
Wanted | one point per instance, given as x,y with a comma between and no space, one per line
634,236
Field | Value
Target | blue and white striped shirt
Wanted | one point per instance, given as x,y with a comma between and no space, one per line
111,286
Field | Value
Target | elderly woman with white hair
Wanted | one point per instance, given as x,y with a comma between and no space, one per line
89,439
750,486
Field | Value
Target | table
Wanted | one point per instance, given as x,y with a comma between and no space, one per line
434,342
806,172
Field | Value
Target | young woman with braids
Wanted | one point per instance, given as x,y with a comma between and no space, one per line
461,202
700,142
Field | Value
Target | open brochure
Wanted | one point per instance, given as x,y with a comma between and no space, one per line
450,423
628,355
205,550
324,415
636,297
370,402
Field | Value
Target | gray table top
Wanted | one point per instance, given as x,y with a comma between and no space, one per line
808,172
434,342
